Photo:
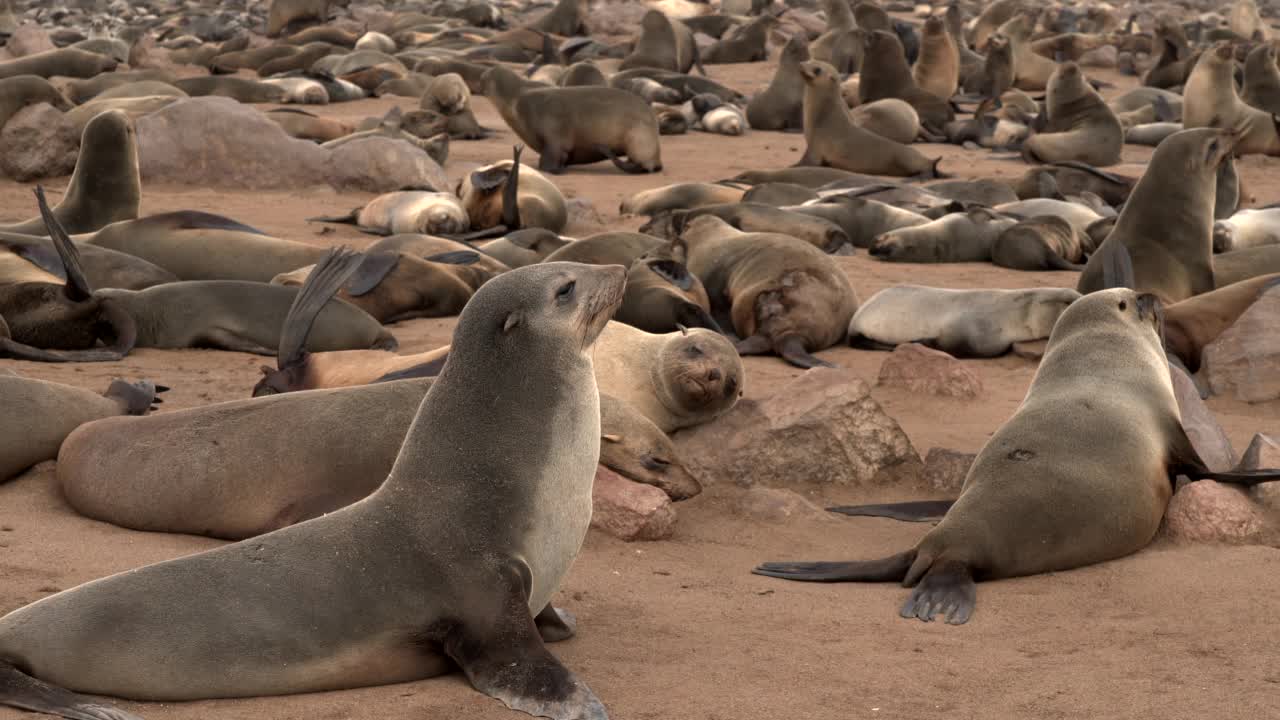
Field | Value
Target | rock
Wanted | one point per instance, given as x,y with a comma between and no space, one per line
1263,453
629,510
821,427
29,39
583,214
777,505
1206,435
920,369
1208,511
1245,358
218,142
37,142
1107,56
381,164
945,470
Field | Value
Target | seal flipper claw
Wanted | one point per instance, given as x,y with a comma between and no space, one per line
19,690
499,650
918,511
947,589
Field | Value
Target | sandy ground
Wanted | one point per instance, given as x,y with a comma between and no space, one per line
680,629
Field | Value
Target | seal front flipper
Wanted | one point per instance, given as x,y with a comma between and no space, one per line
511,193
916,511
497,645
891,569
626,166
555,624
19,690
948,590
77,287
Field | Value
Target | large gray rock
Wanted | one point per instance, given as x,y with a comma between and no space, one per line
37,142
1201,425
919,369
1245,359
629,510
1208,511
1263,453
28,39
821,427
381,164
218,142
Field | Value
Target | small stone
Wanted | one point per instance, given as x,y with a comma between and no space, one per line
629,510
919,369
945,470
1208,511
777,505
38,142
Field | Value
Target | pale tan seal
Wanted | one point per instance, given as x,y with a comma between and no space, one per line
955,237
407,211
962,323
778,294
885,74
1081,127
663,296
1262,79
889,118
538,203
680,196
937,70
432,620
65,62
1044,242
524,247
1247,228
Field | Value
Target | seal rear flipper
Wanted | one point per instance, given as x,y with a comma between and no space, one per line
135,398
497,646
891,569
455,257
947,589
348,219
791,349
694,315
626,166
373,269
77,287
19,690
1057,262
916,511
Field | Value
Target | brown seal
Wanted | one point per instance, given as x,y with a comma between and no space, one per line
471,608
244,90
885,74
937,70
65,62
523,247
781,105
1262,79
508,196
680,196
665,44
777,293
747,43
1045,242
26,259
663,296
23,90
577,125
1073,178
1167,224
283,12
607,248
1069,480
567,18
1081,127
105,186
832,139
747,216
1210,101
965,236
307,126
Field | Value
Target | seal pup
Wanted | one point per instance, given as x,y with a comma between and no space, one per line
240,89
567,18
407,211
509,196
778,293
632,446
889,118
282,13
536,323
105,186
1251,227
306,126
1044,242
956,237
608,248
832,139
780,106
937,70
756,217
681,196
743,44
1211,101
577,125
39,415
961,323
1080,474
1167,224
664,43
449,95
1081,127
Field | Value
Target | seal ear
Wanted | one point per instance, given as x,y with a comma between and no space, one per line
513,321
1117,266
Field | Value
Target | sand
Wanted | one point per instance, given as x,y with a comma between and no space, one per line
679,628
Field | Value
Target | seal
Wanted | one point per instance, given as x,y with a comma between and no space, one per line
756,217
885,74
537,203
889,118
681,196
1044,242
1031,71
23,90
780,106
1171,250
303,91
283,12
241,89
1069,480
523,247
607,248
534,323
102,267
1262,79
746,43
39,415
665,44
152,88
937,70
663,296
306,126
778,293
105,186
407,211
961,323
862,219
82,91
956,237
577,125
1074,178
833,139
65,62
809,177
1081,127
449,95
1211,101
1246,229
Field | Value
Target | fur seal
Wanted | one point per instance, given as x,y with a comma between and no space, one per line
607,248
1044,242
105,186
1031,71
665,44
1262,79
889,118
82,91
663,296
577,125
1074,178
778,293
102,267
937,70
956,237
537,202
567,18
962,323
810,177
780,106
991,18
862,219
547,317
241,89
39,415
65,62
306,126
302,91
407,211
756,217
680,196
284,12
148,88
1247,228
744,44
1167,224
885,74
1081,127
1211,101
832,139
1080,474
22,90
449,95
523,247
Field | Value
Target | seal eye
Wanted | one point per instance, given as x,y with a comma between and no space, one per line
1123,305
565,293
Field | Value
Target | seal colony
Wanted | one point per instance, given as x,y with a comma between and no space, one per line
655,334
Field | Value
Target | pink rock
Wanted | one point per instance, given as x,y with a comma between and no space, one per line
920,369
1208,511
1245,358
1201,425
821,427
28,39
1263,453
37,142
945,470
629,510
